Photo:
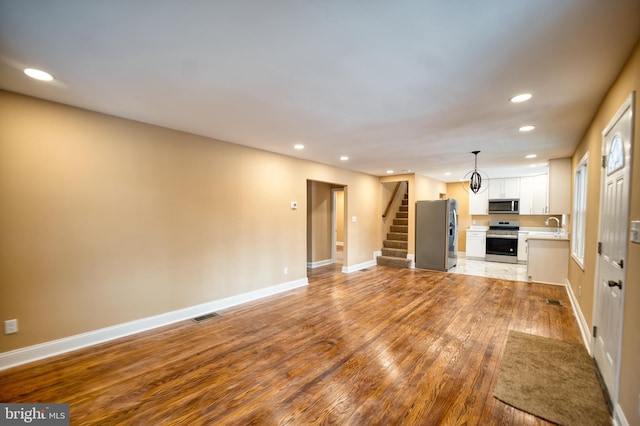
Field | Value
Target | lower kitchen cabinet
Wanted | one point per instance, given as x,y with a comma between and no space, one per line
548,259
476,244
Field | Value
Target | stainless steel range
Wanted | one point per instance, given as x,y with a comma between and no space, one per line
502,241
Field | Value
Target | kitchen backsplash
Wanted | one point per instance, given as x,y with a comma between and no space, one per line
525,220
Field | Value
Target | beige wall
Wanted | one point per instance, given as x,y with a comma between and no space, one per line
628,81
428,189
455,190
105,220
526,221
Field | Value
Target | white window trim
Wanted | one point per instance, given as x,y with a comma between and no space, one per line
579,211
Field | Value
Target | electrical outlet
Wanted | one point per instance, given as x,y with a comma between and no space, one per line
11,326
579,290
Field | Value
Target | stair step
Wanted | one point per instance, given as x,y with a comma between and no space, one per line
395,244
402,222
404,202
403,208
395,262
402,215
399,236
399,228
394,252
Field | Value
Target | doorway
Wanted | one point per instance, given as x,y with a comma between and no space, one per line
326,227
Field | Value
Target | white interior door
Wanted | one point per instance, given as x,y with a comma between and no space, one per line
614,220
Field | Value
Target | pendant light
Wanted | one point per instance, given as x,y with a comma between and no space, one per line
474,177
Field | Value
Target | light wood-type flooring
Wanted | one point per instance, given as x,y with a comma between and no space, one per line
382,346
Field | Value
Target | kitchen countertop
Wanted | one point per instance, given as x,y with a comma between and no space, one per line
547,236
533,233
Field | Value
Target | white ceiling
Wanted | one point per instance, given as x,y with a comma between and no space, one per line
402,85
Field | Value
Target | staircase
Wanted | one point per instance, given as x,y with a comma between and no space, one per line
394,248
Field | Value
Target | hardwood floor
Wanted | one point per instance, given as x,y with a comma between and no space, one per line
380,346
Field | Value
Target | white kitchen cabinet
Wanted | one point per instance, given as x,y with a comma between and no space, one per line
522,246
478,203
476,244
548,259
504,188
534,198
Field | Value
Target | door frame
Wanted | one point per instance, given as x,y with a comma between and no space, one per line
334,220
628,104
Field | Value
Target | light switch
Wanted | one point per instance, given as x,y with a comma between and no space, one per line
11,326
634,234
294,205
354,219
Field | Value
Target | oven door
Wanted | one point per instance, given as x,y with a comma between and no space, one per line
502,248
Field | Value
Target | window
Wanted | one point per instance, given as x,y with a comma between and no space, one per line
579,212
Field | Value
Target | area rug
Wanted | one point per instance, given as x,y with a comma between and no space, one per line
551,379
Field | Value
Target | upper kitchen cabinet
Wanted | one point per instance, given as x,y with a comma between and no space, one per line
560,186
479,203
504,188
534,194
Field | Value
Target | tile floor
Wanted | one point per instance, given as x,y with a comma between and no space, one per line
506,271
465,266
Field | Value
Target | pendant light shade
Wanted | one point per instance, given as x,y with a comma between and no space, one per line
475,182
474,177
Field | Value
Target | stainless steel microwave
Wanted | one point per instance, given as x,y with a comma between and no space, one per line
509,206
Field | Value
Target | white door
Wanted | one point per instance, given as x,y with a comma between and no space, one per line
614,219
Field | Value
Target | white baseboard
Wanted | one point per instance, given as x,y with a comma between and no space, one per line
67,344
320,263
582,322
619,418
363,265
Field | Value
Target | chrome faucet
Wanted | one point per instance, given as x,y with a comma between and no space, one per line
546,222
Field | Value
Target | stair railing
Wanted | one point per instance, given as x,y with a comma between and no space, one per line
392,199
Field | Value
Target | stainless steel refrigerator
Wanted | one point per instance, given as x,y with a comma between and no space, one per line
436,234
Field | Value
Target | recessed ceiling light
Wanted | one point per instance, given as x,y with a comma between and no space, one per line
389,171
447,174
527,128
521,97
344,158
298,146
531,156
38,74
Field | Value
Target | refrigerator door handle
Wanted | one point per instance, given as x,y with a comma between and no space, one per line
455,221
